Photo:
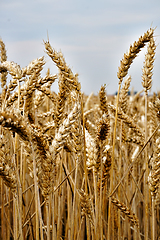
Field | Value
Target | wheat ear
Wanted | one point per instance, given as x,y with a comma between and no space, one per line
7,172
123,100
3,58
86,206
132,53
127,211
148,65
91,151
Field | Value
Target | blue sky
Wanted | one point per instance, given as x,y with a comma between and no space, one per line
93,35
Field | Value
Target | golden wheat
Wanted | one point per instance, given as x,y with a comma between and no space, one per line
74,166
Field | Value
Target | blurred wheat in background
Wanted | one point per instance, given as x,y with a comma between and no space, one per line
74,166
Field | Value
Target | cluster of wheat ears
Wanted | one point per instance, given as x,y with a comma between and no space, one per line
74,166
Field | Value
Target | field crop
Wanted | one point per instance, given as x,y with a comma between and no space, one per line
74,166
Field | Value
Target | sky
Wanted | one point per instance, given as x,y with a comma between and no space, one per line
93,36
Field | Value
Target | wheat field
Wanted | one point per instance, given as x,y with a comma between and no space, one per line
74,166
